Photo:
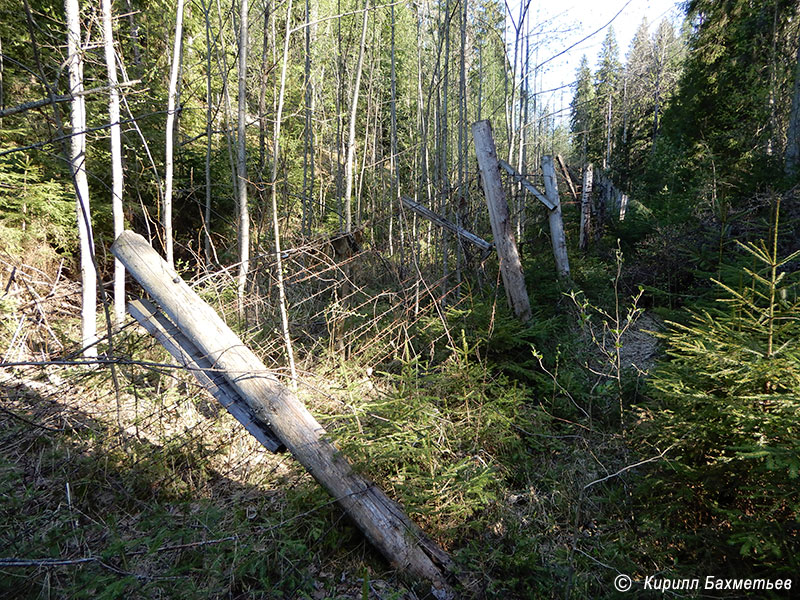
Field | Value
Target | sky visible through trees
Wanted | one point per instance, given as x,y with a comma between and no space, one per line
569,23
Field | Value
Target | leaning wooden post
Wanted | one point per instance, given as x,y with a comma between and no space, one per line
557,236
586,208
510,264
381,520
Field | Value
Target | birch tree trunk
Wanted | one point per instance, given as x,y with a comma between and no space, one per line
274,184
207,246
172,100
351,139
116,161
792,158
78,167
244,215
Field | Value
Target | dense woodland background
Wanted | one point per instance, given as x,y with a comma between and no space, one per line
644,421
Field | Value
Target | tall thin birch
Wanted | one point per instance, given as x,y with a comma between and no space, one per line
172,100
78,167
244,214
351,138
274,184
116,160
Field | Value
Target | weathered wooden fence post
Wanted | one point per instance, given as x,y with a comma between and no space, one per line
586,208
382,521
506,246
557,236
623,206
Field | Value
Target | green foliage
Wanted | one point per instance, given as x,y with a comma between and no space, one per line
34,209
728,402
738,73
442,440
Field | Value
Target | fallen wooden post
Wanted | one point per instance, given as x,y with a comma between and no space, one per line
504,242
444,223
557,236
382,520
186,353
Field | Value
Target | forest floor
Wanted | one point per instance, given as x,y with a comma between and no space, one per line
162,492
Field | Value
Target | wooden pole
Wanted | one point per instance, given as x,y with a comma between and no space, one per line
444,223
510,265
623,206
567,177
186,353
586,208
557,236
381,520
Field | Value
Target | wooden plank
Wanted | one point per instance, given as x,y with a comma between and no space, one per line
504,242
382,521
444,223
518,178
188,356
557,237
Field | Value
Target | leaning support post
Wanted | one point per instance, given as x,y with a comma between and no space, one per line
445,224
567,177
381,520
557,236
508,255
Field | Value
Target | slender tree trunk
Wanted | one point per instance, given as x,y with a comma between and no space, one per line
395,191
78,166
116,160
137,56
209,134
172,101
262,97
351,138
244,214
274,184
792,158
308,135
221,52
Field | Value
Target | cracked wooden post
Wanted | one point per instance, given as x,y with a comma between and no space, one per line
557,236
382,520
504,242
586,208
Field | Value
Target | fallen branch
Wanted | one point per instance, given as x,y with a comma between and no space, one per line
629,467
6,112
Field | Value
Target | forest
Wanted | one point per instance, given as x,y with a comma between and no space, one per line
335,299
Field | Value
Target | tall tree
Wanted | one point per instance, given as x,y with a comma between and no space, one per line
582,109
792,155
116,159
78,169
351,135
172,100
244,213
607,77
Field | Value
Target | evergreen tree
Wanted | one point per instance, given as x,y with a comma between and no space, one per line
582,110
723,134
607,78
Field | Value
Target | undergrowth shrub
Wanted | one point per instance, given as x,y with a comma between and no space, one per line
728,400
443,439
